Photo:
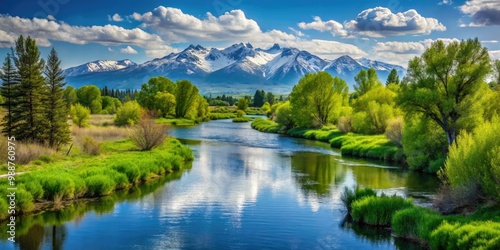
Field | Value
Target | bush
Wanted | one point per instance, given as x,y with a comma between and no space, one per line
345,124
57,186
349,196
284,115
394,130
131,170
80,115
129,114
99,185
415,223
242,119
4,208
27,152
475,235
240,113
450,200
378,211
148,135
475,158
90,146
35,188
24,201
264,125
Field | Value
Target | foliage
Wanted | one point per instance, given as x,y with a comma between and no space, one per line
266,108
90,146
186,95
8,90
315,98
270,98
367,146
284,115
242,119
264,125
69,96
345,124
378,210
129,114
441,81
415,223
80,115
424,144
90,97
393,77
110,105
148,96
475,235
99,185
148,135
56,111
164,103
394,130
218,116
242,104
28,116
240,113
366,81
475,158
351,195
259,98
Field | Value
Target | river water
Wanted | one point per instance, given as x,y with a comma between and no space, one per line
245,190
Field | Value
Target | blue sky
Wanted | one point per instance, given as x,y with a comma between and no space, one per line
390,30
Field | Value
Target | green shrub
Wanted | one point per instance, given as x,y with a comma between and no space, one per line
351,195
378,210
148,135
176,163
80,115
240,113
475,158
264,125
131,170
242,119
57,186
99,185
129,114
415,223
35,188
121,180
4,208
24,201
475,235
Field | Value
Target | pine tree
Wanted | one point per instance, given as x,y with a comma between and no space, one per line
29,111
393,77
55,107
10,80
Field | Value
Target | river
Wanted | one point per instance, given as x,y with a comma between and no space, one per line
245,190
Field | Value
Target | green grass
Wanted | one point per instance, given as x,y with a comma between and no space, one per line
218,116
120,166
349,196
176,121
378,211
242,119
267,126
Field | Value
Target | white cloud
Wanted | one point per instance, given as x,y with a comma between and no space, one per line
334,27
489,41
327,49
401,52
381,22
110,49
482,12
51,18
297,32
43,30
495,54
116,17
446,2
128,50
176,26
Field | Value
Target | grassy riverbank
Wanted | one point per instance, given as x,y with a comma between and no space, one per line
363,146
477,230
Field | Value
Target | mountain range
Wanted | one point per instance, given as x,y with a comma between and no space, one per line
239,68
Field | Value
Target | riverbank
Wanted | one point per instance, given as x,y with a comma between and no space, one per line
364,146
477,230
119,166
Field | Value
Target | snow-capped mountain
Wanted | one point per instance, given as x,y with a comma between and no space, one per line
98,66
237,68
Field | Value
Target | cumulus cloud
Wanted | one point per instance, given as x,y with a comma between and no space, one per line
381,22
51,18
482,12
177,26
401,52
489,41
128,50
116,18
43,30
297,32
334,27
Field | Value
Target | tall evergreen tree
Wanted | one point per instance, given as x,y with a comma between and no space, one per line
30,111
393,77
10,80
56,110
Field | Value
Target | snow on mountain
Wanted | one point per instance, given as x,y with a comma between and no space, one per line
239,66
98,66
